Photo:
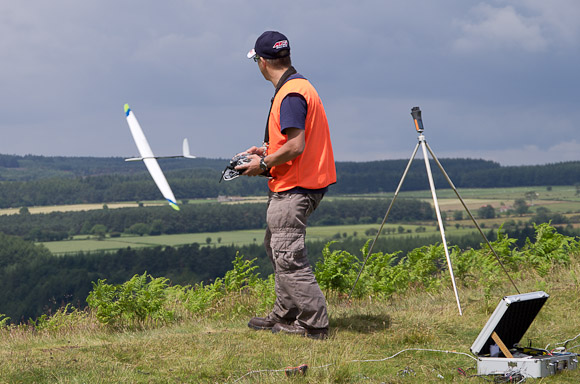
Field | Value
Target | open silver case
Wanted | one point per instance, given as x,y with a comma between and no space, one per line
498,348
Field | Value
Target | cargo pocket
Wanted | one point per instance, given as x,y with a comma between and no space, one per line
288,251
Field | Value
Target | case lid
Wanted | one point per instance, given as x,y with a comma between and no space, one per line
510,320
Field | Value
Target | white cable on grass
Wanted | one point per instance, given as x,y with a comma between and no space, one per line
413,349
398,353
360,361
565,342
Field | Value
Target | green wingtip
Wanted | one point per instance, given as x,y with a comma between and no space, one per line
126,107
174,206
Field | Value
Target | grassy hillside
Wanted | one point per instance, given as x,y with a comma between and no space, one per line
414,335
221,349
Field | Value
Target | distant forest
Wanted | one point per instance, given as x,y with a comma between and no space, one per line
34,281
37,180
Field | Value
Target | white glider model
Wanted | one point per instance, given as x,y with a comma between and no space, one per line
150,160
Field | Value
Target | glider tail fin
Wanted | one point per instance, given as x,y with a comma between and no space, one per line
186,152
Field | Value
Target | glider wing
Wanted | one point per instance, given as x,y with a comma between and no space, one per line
148,158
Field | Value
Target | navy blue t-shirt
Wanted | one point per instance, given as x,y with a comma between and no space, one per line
293,115
293,109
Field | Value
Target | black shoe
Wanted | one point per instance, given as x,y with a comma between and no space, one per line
294,329
261,323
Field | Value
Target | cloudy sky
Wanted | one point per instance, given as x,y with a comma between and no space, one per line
495,79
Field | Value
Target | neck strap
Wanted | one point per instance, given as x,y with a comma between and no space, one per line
289,72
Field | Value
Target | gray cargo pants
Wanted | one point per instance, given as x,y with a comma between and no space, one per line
299,299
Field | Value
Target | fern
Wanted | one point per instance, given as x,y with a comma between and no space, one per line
131,303
337,270
549,249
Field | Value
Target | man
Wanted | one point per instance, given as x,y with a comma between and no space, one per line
297,155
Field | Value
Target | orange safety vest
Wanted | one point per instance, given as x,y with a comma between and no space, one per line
314,168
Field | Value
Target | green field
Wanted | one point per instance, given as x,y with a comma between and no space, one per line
560,199
237,238
565,192
91,243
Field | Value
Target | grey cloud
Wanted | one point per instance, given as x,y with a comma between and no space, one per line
494,78
499,29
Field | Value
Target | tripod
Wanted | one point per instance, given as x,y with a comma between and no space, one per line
416,114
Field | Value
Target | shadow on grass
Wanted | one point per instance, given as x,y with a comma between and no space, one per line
362,323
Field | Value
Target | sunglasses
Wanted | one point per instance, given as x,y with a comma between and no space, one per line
256,58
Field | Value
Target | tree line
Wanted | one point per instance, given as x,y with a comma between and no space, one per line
33,167
36,180
199,218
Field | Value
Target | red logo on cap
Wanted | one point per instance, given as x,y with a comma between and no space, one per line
281,44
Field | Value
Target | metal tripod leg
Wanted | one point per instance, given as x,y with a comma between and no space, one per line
384,219
416,113
470,215
422,143
439,220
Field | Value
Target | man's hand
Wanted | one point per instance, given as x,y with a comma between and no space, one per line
293,147
253,167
